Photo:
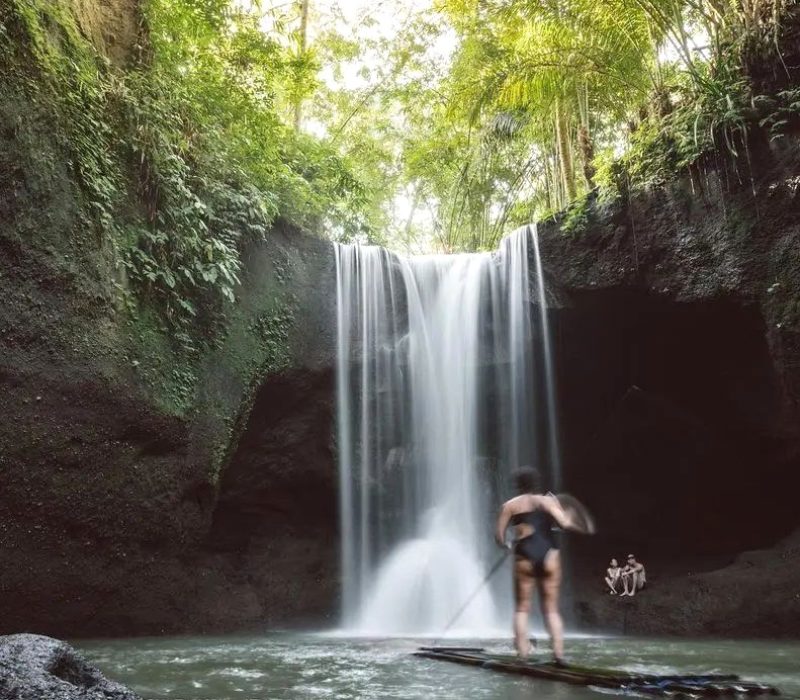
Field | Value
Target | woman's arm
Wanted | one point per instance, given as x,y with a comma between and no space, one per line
561,516
570,513
502,525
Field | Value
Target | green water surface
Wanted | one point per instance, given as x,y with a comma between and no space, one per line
283,666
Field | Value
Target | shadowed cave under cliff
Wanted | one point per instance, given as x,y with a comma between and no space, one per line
672,429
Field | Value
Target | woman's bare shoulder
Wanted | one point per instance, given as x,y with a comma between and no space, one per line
517,504
523,503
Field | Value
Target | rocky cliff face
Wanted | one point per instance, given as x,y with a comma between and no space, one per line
115,473
678,339
147,491
118,513
142,494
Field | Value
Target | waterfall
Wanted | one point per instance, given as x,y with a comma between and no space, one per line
444,385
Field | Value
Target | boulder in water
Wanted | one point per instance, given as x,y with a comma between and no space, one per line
33,667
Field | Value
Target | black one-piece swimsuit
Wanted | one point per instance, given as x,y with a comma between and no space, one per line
536,546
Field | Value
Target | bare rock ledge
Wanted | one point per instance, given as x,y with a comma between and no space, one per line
33,667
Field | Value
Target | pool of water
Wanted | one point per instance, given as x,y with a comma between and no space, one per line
283,666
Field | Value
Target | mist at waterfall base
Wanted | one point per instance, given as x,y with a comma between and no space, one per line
444,386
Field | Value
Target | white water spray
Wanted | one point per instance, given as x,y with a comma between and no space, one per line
444,386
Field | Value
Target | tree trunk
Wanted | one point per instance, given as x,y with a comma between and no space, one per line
586,149
410,220
565,152
298,106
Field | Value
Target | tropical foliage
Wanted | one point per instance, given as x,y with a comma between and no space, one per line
419,125
581,82
186,152
538,102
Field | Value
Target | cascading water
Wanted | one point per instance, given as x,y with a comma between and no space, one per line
444,386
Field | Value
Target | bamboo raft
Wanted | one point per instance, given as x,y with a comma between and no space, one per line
678,686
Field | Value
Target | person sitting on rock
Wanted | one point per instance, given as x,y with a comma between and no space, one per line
612,576
633,577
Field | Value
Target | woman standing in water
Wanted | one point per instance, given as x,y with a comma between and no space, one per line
534,517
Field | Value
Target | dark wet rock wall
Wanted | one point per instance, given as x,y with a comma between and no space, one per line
677,329
147,491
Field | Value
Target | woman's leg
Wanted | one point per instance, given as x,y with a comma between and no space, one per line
523,590
549,588
610,584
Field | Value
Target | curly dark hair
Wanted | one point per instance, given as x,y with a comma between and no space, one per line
528,480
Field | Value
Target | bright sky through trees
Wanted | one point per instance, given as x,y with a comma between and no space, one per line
463,119
373,29
352,42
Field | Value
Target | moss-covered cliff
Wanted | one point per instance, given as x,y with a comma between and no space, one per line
117,422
